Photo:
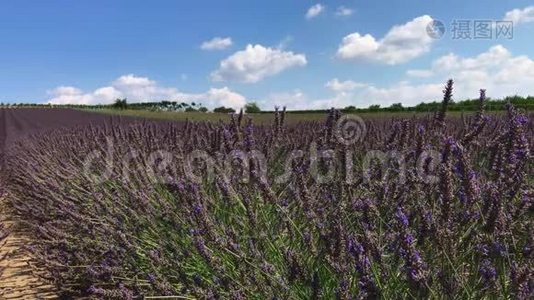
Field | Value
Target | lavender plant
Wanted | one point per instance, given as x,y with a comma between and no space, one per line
169,224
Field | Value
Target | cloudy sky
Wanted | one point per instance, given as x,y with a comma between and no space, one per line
298,53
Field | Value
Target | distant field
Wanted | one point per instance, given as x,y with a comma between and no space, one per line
258,118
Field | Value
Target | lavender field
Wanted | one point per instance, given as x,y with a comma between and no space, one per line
428,206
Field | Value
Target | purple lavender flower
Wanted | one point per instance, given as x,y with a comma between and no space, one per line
521,120
498,249
488,271
93,290
421,129
126,292
197,208
401,217
409,239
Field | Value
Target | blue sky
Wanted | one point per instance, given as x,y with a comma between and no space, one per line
303,54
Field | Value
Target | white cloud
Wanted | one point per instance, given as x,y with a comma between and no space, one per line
298,100
419,73
401,92
223,96
132,80
107,93
255,63
497,70
343,11
68,95
401,44
405,93
495,56
518,16
217,43
314,11
66,90
137,89
355,45
294,100
343,86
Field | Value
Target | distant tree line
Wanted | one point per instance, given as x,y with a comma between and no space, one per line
469,105
122,103
160,106
526,103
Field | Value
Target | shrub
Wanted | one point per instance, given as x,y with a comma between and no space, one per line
223,109
252,108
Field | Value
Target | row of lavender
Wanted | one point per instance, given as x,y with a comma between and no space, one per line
3,227
143,226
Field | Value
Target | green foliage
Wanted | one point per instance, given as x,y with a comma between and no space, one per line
374,107
396,107
350,108
252,108
224,110
120,104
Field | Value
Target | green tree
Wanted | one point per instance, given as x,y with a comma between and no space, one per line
224,110
120,103
252,108
374,107
396,107
350,108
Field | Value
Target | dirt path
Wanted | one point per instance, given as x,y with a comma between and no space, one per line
18,280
